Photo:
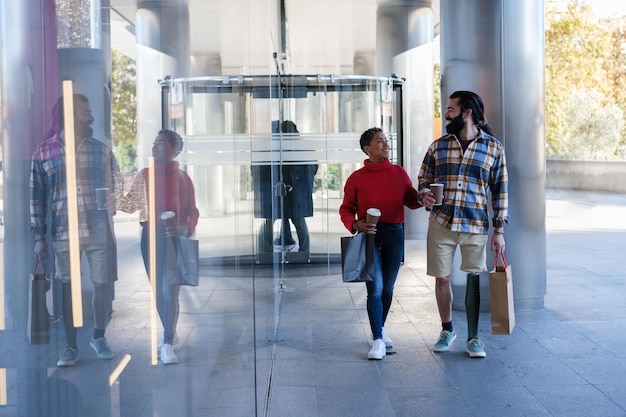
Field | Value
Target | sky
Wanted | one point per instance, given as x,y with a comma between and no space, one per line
607,8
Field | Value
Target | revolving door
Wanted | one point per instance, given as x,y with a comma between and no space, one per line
269,156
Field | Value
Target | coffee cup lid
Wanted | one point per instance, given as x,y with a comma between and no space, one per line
166,215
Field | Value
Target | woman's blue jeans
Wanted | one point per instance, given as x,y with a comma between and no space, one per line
166,294
388,252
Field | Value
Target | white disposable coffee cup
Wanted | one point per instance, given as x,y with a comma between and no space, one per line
101,198
169,218
372,215
437,190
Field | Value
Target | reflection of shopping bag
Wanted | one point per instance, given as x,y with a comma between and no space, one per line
38,326
187,257
501,297
357,258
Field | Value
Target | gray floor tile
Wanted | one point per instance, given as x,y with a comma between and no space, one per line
254,348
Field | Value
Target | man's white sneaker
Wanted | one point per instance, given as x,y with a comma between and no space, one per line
378,350
387,340
167,354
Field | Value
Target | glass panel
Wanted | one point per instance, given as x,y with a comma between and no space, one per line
239,149
253,175
270,154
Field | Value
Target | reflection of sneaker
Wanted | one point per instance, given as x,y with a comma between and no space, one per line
445,341
378,350
176,344
101,347
167,355
68,357
387,340
475,349
278,248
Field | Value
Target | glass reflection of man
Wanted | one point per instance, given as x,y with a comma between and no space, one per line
96,167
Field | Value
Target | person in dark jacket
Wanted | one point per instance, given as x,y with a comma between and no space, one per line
291,185
298,203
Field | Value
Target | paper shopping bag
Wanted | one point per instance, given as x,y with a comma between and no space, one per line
357,258
501,297
38,325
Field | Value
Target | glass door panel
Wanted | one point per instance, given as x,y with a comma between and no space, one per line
269,156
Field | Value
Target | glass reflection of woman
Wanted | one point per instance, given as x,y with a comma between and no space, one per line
387,187
174,192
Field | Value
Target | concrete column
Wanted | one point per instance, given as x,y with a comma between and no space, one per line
29,73
162,32
503,63
105,36
524,138
30,78
404,36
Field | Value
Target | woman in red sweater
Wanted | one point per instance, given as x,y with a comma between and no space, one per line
387,187
175,193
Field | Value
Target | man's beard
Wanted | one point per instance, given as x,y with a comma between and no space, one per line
456,125
82,131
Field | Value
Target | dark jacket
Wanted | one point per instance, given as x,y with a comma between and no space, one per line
296,194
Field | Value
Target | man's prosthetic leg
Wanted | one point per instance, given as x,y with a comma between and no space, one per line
472,304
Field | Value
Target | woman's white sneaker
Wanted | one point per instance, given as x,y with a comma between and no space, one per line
167,355
387,340
378,350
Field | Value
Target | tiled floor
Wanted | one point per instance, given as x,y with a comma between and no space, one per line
303,343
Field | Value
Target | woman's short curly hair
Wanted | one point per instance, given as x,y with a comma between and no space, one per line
173,138
366,137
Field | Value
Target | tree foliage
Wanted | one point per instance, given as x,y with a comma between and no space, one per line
124,110
585,83
437,92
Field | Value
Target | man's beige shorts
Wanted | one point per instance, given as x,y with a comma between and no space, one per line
441,244
96,255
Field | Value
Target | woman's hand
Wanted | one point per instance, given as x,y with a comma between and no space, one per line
179,230
361,226
428,200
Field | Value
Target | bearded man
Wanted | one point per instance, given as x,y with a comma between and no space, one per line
470,163
96,168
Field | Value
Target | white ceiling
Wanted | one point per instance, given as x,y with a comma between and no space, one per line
323,35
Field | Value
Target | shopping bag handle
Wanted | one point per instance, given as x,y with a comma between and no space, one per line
502,258
43,265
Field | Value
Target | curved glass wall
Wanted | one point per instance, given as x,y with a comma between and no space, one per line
269,155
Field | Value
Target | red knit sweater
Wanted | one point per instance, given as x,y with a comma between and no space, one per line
382,185
175,192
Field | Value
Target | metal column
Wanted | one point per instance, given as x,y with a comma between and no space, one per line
503,63
404,36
